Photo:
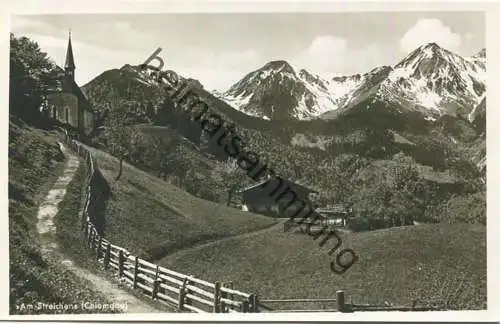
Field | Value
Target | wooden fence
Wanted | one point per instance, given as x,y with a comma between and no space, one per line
336,304
165,286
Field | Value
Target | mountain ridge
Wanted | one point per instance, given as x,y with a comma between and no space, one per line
431,80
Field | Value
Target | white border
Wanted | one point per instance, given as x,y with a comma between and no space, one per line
492,11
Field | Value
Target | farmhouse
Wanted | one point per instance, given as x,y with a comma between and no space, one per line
259,198
335,215
67,103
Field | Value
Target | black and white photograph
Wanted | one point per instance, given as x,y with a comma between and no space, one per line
248,162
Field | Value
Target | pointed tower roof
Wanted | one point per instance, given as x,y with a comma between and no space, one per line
70,62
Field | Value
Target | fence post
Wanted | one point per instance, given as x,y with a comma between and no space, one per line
244,306
340,301
217,297
231,296
156,283
136,271
99,244
94,239
107,256
91,233
251,303
120,263
223,294
187,300
256,304
182,294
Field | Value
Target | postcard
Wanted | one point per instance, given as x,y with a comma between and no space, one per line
251,161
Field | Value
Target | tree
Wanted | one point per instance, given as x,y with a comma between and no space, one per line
166,156
178,164
121,137
32,75
231,176
407,189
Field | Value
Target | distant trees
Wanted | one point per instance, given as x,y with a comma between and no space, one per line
165,157
390,194
32,75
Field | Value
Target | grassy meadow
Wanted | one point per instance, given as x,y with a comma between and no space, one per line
434,265
153,218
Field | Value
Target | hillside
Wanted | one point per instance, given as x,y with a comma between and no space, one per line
154,218
438,265
35,162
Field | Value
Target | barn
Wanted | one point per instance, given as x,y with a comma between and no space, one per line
262,198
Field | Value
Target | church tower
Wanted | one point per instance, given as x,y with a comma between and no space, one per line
69,66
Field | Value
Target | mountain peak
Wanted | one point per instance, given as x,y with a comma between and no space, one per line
280,65
481,53
431,49
432,45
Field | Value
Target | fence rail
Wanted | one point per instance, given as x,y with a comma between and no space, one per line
175,289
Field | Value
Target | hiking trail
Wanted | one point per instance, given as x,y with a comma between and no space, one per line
47,232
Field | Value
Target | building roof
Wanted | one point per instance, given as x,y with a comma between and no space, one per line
68,85
336,208
70,61
75,89
265,181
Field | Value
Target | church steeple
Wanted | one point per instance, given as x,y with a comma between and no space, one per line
69,66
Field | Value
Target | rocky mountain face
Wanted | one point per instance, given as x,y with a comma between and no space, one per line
280,91
436,81
430,80
478,116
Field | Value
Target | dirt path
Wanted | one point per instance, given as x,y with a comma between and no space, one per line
227,238
47,232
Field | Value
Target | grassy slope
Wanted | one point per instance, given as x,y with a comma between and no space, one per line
153,218
71,238
34,164
396,265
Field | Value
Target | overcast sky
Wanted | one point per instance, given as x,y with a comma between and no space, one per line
219,49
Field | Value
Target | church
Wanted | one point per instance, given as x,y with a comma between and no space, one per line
67,104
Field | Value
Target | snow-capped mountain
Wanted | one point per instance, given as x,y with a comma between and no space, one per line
436,81
431,80
280,91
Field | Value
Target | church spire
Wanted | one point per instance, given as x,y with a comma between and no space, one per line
69,66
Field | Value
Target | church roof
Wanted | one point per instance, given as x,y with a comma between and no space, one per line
75,89
70,61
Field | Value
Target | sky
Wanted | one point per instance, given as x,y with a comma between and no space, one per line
219,49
